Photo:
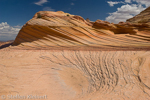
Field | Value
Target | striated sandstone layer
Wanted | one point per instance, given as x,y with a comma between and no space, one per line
75,75
58,29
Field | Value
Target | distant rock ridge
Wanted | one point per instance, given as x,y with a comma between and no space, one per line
59,29
143,17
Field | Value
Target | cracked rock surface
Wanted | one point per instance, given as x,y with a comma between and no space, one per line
76,75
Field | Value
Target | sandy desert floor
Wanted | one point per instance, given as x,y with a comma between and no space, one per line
74,75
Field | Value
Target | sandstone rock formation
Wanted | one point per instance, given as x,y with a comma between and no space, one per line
143,17
59,56
75,75
5,44
58,29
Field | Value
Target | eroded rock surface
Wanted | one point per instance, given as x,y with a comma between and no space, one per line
76,75
58,29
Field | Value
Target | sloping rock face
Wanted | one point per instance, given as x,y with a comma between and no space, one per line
59,29
143,17
59,56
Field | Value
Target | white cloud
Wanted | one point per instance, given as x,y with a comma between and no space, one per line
124,12
117,17
48,9
72,4
128,1
41,2
111,3
8,32
129,9
143,2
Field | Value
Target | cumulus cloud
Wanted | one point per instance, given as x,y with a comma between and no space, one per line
127,10
111,3
48,9
143,2
41,2
128,1
8,32
130,9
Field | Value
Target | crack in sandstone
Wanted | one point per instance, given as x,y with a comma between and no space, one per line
104,71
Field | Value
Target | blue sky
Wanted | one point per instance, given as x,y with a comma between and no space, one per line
15,13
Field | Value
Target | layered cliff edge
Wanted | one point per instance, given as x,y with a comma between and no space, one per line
143,17
49,29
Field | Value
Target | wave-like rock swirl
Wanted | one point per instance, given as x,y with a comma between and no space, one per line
58,29
76,75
